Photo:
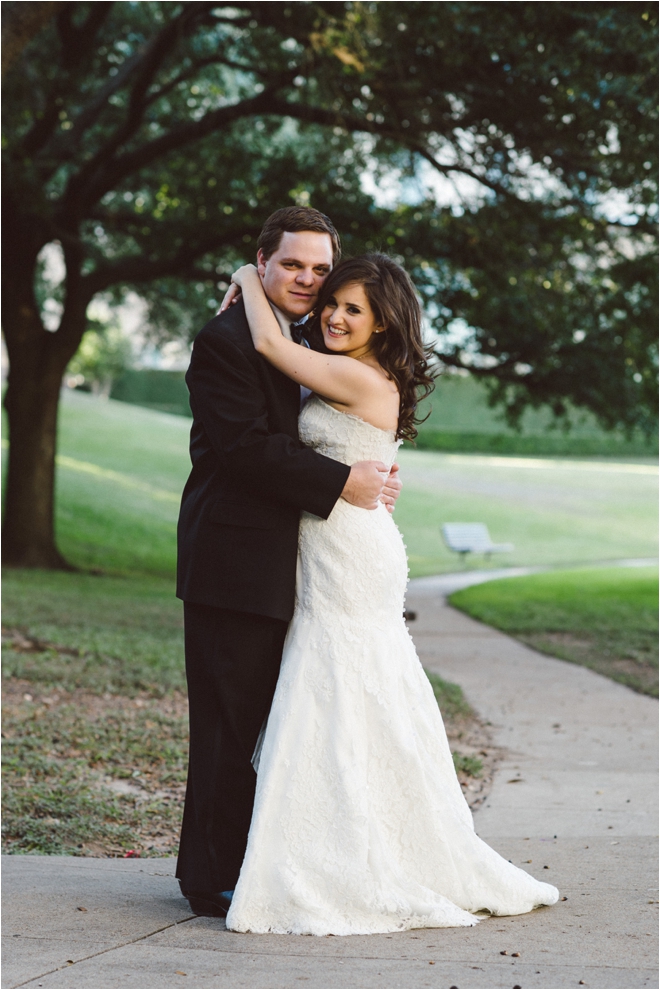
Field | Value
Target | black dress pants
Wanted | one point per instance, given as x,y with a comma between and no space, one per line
232,664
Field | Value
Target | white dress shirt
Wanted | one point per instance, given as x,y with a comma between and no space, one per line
285,327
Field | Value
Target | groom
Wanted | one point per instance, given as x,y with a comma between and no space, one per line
237,538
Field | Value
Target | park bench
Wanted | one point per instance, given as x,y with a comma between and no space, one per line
465,538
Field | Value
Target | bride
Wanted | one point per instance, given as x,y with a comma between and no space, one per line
359,824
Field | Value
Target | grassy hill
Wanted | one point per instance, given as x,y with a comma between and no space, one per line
121,469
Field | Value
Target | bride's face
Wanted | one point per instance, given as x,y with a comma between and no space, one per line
348,322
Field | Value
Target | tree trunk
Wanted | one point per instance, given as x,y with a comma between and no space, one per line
28,535
37,360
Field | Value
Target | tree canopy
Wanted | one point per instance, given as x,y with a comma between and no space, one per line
151,140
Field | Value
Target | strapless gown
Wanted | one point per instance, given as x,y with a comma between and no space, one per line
360,824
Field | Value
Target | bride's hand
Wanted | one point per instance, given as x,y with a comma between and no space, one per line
235,290
392,489
244,274
231,296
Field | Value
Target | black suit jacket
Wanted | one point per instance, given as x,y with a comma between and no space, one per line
250,478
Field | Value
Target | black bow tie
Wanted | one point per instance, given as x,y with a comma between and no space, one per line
296,330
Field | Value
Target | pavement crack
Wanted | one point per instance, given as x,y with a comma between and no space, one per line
103,952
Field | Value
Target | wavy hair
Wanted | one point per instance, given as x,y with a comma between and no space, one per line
400,349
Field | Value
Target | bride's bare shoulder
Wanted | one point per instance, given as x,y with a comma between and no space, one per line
381,382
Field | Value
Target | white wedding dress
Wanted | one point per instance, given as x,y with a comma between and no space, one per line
360,825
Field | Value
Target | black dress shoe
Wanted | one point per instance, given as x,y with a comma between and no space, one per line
209,905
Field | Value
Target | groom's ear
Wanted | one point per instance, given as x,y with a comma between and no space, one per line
261,263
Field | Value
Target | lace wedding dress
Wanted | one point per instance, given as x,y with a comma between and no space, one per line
360,825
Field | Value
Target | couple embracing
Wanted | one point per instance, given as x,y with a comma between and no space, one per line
322,797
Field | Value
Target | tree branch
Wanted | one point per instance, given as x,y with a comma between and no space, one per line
266,103
139,269
75,42
76,300
90,113
164,42
318,115
66,145
194,68
448,169
108,175
147,65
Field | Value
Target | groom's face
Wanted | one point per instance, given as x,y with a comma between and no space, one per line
294,274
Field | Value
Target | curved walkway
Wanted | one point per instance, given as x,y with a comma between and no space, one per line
573,801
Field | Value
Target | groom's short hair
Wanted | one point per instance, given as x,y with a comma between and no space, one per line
293,220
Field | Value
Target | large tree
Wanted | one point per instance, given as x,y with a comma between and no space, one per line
150,140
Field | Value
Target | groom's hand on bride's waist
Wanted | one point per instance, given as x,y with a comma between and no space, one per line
366,484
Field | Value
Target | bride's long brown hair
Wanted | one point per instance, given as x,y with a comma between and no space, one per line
400,349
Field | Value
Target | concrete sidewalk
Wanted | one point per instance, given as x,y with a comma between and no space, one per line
573,802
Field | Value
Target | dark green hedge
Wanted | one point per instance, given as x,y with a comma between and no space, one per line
551,444
162,390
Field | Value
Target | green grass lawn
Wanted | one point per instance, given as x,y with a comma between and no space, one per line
121,470
117,635
120,474
92,657
556,512
604,618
